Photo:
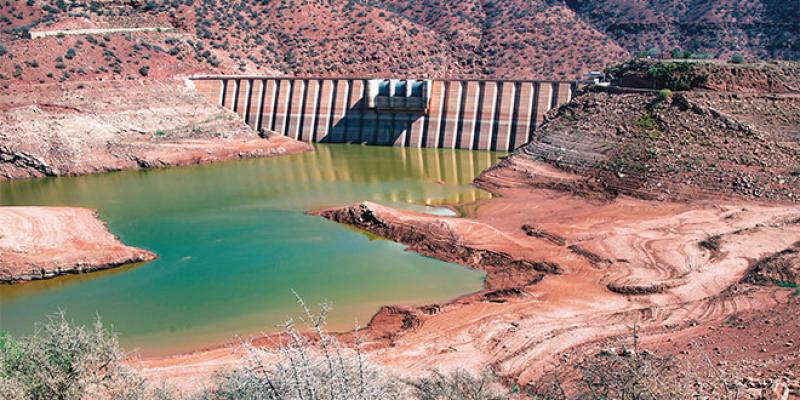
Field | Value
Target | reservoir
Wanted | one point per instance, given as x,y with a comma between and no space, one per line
233,242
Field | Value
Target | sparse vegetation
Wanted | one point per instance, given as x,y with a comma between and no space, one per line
63,361
633,373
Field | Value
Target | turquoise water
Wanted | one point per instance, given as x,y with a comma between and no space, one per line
233,242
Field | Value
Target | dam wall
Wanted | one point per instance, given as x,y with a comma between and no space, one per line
466,114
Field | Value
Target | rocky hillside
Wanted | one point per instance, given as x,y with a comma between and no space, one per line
682,144
758,28
470,38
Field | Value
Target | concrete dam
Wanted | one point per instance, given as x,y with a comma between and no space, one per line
465,114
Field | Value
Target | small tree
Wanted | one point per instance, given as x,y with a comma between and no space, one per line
144,70
737,58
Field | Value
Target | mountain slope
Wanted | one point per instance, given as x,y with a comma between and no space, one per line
545,39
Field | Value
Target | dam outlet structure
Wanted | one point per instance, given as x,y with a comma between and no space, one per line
496,115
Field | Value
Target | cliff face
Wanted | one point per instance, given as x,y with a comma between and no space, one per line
684,144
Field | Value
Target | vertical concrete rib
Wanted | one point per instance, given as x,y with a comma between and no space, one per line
340,107
468,117
543,101
355,112
505,115
259,107
223,84
369,123
324,110
309,118
282,106
416,128
435,114
451,114
246,102
230,94
523,117
241,99
564,93
224,99
486,119
296,108
268,105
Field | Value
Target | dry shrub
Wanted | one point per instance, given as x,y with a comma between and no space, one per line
460,385
298,368
634,374
65,361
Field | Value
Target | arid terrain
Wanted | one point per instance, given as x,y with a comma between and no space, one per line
668,201
44,242
441,38
76,129
578,253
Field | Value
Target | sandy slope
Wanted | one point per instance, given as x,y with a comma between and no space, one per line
91,127
43,242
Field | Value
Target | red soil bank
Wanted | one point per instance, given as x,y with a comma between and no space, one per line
44,242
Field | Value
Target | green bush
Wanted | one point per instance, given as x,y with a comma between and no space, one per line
144,70
737,58
664,94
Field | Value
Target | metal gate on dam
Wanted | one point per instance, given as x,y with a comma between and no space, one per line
466,114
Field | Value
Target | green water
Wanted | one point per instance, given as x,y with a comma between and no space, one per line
233,242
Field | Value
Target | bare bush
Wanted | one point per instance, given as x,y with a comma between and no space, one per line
458,385
297,368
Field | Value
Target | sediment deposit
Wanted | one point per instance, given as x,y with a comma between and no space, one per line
654,272
77,129
44,242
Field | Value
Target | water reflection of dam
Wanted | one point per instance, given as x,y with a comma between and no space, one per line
408,175
480,114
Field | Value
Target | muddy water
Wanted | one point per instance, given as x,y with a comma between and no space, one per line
233,242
